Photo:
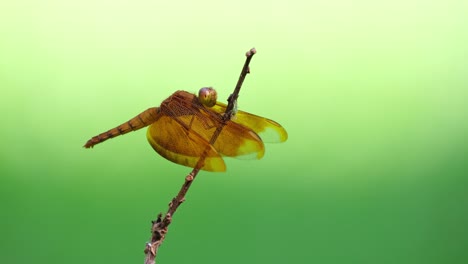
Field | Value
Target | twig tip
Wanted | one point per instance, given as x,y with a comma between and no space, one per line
251,52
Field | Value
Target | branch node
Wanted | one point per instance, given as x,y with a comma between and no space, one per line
172,202
150,248
189,177
168,218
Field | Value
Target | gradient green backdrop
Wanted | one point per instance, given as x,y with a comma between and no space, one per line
373,95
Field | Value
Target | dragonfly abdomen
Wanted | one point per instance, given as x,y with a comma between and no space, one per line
141,120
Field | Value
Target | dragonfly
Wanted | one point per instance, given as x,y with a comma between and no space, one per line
180,130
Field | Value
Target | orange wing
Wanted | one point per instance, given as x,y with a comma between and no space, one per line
183,136
234,140
269,130
182,146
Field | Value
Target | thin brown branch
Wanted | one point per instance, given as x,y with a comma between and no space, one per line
160,226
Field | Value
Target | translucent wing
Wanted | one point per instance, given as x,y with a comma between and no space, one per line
269,130
234,140
181,145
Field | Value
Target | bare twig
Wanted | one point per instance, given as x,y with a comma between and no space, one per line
160,225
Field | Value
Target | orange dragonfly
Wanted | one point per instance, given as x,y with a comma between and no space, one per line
181,128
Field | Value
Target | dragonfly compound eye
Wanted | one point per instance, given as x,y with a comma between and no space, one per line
207,96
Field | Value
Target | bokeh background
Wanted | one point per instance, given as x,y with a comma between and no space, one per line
373,94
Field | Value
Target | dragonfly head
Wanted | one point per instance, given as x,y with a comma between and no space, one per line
207,96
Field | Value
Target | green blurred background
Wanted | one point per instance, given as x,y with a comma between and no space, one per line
373,94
